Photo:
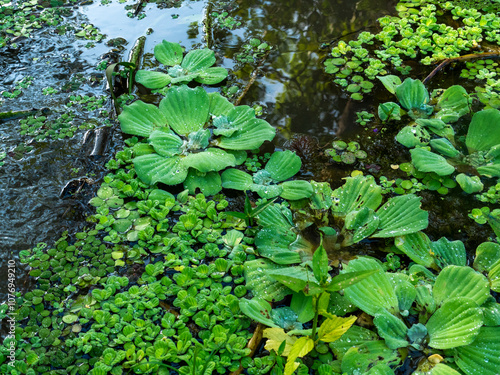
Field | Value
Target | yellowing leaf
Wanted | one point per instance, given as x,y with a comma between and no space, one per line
275,337
301,347
333,328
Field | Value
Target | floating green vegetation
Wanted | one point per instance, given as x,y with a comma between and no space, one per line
196,65
22,18
492,195
162,283
347,153
446,156
252,51
270,182
170,308
192,136
488,71
24,83
416,34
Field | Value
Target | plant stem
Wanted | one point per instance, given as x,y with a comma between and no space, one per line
315,321
471,56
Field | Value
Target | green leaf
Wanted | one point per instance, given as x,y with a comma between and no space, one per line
487,254
208,183
444,147
412,94
213,159
491,312
320,264
455,323
449,252
391,329
417,247
167,53
302,305
301,347
297,279
390,82
359,359
489,170
185,109
456,281
345,280
274,216
427,161
406,292
70,318
141,119
236,179
438,369
251,135
454,99
389,111
483,355
198,59
333,328
357,192
274,243
380,369
211,76
494,277
355,336
484,131
413,135
401,215
258,310
154,168
295,190
219,105
283,164
469,184
364,222
152,80
261,284
374,292
166,144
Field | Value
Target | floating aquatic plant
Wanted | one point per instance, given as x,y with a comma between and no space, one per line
196,65
455,309
270,181
346,153
482,141
412,35
191,136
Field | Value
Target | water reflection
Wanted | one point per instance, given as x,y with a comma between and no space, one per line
298,95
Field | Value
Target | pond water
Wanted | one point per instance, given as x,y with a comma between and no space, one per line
296,95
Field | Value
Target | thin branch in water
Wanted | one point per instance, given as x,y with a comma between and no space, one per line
472,56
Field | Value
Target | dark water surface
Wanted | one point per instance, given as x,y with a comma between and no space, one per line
296,95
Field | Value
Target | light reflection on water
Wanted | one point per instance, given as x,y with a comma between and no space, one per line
297,95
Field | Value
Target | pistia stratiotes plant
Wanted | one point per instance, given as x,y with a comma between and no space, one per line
358,214
268,182
483,153
196,65
310,300
191,136
451,317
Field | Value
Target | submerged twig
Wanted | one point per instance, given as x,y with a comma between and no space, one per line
208,26
468,57
100,141
137,51
253,77
138,7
